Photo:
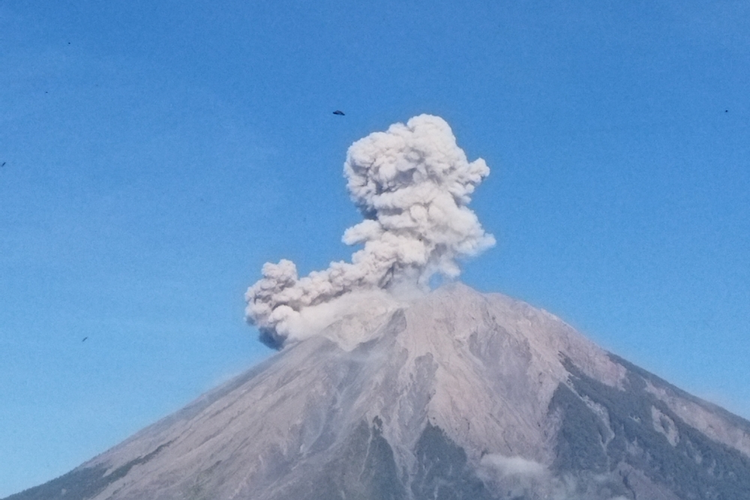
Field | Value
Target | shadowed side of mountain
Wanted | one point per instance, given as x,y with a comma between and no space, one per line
365,469
632,440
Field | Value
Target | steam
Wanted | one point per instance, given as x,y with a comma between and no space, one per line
412,184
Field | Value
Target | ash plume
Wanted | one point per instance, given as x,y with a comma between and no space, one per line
412,184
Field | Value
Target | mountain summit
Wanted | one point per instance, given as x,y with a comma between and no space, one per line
452,395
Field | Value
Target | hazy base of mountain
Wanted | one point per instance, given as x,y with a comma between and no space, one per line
456,395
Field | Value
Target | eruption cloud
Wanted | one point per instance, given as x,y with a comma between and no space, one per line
412,184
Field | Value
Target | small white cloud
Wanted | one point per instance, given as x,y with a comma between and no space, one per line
513,466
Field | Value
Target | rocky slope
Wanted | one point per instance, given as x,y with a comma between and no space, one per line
456,395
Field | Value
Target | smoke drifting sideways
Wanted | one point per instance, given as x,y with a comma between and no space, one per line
412,184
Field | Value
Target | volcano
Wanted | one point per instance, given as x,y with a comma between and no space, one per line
451,395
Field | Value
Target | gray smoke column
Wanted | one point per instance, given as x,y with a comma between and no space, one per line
412,184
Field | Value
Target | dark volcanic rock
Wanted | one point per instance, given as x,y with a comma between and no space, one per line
442,470
644,433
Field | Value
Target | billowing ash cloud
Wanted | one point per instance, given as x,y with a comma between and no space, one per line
412,184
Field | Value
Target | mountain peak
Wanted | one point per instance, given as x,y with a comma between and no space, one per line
452,394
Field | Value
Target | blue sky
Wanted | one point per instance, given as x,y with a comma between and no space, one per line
158,153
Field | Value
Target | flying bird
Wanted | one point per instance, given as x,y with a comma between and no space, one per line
84,339
338,112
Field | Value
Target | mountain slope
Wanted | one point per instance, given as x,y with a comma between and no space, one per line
453,395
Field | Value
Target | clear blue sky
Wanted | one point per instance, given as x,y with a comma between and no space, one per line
158,153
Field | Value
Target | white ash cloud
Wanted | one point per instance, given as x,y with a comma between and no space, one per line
412,184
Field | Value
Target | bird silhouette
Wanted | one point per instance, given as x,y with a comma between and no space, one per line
84,339
338,112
